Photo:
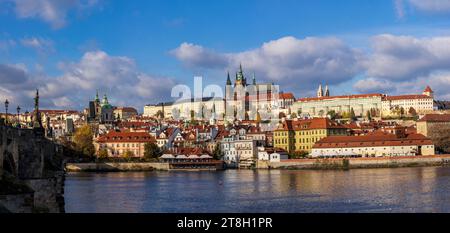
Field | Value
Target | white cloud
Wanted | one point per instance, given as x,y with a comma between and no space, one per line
300,63
53,12
196,56
431,5
39,44
116,76
406,57
373,85
425,6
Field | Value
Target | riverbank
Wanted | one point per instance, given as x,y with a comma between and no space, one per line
354,163
115,167
302,164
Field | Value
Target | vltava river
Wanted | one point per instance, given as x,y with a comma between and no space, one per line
361,190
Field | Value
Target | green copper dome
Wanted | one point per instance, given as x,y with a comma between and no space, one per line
105,103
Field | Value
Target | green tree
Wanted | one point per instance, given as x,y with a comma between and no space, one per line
321,112
332,114
293,115
352,115
369,115
83,139
412,111
160,114
217,153
298,155
151,151
102,154
402,112
128,155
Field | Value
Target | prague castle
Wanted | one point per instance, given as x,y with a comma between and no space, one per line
242,100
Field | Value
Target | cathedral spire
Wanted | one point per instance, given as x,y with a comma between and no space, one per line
320,91
228,79
254,79
327,91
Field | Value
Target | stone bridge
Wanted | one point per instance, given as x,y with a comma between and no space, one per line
31,171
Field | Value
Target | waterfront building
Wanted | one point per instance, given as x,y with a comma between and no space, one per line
238,152
272,154
117,144
300,135
379,144
432,122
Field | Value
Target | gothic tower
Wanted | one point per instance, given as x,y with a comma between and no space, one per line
320,91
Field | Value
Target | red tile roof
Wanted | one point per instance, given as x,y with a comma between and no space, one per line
339,97
127,109
286,96
436,118
401,97
126,137
428,89
316,123
372,140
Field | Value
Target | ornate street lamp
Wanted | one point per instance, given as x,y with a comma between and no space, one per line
18,115
6,110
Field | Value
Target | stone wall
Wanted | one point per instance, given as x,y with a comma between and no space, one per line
361,162
30,158
80,167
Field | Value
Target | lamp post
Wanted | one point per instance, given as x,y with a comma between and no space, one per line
6,110
18,116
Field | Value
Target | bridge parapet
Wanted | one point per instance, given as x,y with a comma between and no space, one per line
30,158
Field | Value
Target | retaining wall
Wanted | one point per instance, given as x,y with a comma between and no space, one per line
86,167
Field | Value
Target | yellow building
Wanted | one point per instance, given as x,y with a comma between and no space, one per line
301,135
284,137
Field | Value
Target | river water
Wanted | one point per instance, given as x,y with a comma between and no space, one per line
262,191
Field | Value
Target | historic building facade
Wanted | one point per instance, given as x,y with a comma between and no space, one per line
362,104
300,135
391,105
242,100
374,145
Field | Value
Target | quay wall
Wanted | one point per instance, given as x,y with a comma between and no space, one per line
340,163
105,167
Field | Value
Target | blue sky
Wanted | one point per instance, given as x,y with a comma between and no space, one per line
137,50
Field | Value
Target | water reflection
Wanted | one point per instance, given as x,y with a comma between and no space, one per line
364,190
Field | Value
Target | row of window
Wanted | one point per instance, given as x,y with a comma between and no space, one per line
121,145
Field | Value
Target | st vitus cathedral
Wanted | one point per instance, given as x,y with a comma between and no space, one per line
243,100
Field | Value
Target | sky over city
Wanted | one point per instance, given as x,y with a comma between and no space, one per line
136,51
